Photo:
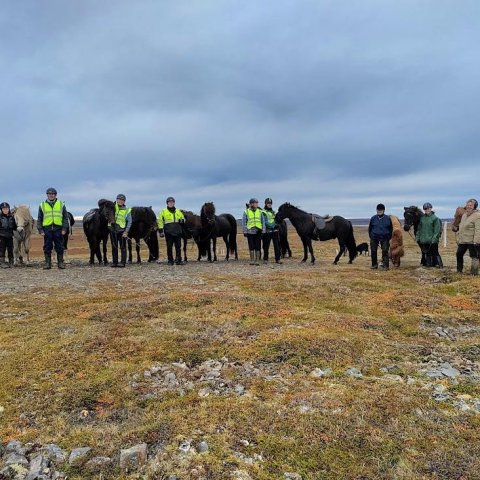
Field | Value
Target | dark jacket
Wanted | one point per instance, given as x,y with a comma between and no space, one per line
7,225
380,228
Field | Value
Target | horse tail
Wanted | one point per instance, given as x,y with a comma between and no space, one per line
350,242
232,237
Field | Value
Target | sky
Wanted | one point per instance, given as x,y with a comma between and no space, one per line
333,106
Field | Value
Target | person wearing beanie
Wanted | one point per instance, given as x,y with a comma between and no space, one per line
7,227
468,236
119,231
380,231
253,225
272,234
428,236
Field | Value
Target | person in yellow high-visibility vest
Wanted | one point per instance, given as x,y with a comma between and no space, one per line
52,223
119,231
253,223
170,222
272,234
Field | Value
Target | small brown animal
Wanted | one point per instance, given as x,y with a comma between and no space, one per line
396,247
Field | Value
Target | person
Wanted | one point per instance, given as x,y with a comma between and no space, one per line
380,231
119,231
468,236
7,226
253,224
170,222
272,232
52,224
428,236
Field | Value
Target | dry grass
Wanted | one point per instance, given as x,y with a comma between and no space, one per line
67,368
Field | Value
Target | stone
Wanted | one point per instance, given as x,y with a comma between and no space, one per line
79,456
202,447
354,372
54,453
134,457
239,389
59,476
98,464
185,446
292,476
317,373
240,475
15,446
14,472
448,371
16,459
39,468
393,378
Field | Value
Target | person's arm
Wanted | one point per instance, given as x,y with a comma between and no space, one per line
244,222
40,220
128,222
437,230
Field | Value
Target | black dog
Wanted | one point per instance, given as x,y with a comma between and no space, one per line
362,248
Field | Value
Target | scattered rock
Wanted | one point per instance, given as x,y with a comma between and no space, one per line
16,459
134,457
202,447
353,372
292,476
79,456
319,373
54,453
98,464
39,468
448,371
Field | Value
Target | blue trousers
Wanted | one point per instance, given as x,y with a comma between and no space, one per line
53,237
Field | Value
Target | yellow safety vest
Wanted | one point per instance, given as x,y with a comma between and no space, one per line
121,215
166,216
254,218
52,214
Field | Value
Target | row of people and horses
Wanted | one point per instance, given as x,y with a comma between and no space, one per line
204,229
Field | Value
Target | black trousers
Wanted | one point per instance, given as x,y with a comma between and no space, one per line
171,241
6,244
461,250
430,254
119,242
273,237
53,237
385,245
254,241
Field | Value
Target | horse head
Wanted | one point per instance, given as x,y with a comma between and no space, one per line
208,213
107,210
23,217
411,216
282,212
457,218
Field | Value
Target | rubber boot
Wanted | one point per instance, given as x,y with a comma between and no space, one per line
48,261
474,266
252,257
257,257
439,262
3,264
60,262
428,261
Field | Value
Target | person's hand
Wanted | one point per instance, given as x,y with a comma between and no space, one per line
162,235
64,232
245,235
125,234
42,233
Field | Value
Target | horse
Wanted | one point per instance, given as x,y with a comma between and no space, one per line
214,226
304,223
412,216
68,233
144,227
22,236
396,242
457,218
191,229
95,226
283,237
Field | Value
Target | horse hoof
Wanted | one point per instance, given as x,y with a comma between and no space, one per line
303,261
335,263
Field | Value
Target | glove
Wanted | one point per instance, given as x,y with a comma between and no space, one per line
245,235
160,232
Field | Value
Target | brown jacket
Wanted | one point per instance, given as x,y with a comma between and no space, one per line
469,229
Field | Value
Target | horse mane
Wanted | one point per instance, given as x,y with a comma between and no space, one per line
104,201
22,211
208,209
288,204
395,222
143,214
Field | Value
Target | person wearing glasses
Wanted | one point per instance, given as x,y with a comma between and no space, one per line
52,224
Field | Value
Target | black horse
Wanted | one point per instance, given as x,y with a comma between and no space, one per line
68,233
144,227
95,226
283,236
412,216
338,227
191,230
214,226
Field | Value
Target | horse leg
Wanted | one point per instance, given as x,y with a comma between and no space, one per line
137,248
214,241
310,248
342,250
225,239
105,259
305,249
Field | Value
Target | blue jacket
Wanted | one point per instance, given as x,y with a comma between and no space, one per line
380,228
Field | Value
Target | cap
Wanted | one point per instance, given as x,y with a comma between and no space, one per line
381,206
121,196
427,205
268,200
253,200
170,199
4,205
51,190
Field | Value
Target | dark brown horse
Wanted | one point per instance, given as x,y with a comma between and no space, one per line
191,230
338,227
95,226
144,227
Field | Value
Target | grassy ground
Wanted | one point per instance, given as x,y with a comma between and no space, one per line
73,363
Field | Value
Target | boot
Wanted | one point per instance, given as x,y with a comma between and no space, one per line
439,262
48,261
428,261
474,266
60,262
11,262
257,257
3,264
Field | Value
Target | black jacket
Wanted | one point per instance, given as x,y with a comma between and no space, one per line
7,225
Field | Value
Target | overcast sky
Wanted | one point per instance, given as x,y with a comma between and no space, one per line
331,105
